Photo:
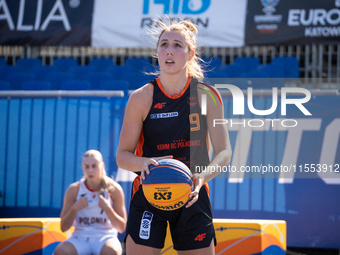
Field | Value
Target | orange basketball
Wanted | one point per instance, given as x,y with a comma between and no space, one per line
168,185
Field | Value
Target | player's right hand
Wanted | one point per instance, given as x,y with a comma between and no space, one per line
147,163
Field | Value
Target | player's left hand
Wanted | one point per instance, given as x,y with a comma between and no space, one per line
193,197
104,203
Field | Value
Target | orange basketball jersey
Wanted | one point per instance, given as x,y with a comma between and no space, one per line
175,126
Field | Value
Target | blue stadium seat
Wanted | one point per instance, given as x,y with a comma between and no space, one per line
76,85
136,79
255,74
101,64
114,85
150,69
96,78
36,85
138,64
57,78
65,64
118,71
249,64
41,72
3,62
81,71
233,71
275,73
6,70
216,74
273,70
16,79
27,64
213,62
290,66
5,85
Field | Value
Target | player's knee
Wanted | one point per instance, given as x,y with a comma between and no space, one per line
63,249
111,251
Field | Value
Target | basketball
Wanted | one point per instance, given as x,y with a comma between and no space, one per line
168,185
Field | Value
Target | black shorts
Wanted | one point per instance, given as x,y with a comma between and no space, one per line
191,228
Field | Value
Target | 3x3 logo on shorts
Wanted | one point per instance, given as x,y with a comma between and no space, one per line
145,225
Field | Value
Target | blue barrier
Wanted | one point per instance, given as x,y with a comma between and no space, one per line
42,142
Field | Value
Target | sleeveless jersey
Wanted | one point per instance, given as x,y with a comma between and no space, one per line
175,126
92,220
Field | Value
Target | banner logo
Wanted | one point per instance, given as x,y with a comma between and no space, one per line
269,5
178,7
268,23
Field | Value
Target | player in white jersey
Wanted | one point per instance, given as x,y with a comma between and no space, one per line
95,207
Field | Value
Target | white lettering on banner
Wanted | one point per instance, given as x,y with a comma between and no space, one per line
267,18
291,150
293,142
241,149
267,27
57,13
315,17
52,16
322,31
150,22
211,17
6,14
329,150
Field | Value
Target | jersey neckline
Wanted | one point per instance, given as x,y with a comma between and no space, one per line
174,96
92,190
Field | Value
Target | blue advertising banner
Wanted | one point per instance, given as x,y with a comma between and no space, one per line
292,22
48,23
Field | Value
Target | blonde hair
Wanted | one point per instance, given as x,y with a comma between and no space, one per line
104,185
189,30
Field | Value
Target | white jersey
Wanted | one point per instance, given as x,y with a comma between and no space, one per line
92,220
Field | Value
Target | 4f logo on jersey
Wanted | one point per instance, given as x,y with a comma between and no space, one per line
159,105
162,196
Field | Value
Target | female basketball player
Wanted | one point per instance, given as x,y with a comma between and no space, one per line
95,207
163,119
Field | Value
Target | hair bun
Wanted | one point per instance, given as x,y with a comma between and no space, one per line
190,26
